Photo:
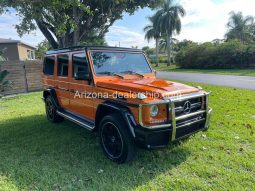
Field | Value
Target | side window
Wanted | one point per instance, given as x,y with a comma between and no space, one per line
48,65
63,65
80,63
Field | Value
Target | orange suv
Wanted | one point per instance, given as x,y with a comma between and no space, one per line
115,92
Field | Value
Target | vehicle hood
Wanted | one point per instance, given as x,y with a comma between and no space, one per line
147,86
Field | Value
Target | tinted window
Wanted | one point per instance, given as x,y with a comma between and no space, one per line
63,65
48,68
119,62
80,63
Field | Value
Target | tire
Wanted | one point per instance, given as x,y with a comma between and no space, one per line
116,140
51,111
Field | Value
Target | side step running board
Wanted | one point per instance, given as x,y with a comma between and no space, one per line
79,121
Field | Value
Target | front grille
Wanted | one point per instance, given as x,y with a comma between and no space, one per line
196,105
190,116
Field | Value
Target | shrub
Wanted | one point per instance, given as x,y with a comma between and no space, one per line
231,54
163,59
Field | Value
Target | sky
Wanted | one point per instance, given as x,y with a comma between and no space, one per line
205,21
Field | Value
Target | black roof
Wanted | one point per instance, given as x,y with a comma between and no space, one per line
77,48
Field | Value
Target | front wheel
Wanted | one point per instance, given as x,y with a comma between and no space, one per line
51,111
116,140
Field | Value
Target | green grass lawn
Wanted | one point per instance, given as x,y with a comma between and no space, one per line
38,155
239,72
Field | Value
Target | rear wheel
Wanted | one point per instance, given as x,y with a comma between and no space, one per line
51,111
116,141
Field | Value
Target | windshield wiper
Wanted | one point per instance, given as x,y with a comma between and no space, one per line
132,72
111,74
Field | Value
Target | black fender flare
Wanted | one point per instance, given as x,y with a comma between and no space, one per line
51,92
124,111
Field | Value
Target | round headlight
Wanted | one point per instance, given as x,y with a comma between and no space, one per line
154,111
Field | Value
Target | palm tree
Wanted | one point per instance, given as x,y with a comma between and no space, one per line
167,18
163,43
152,32
240,27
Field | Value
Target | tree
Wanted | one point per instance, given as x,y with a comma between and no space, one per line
169,21
42,47
94,41
179,46
153,32
149,51
163,43
240,27
2,57
3,74
67,23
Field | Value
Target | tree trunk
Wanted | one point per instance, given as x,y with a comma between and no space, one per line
157,52
76,31
47,34
168,49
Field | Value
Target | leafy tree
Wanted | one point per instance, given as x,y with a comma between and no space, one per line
3,74
42,47
94,41
149,51
240,27
145,48
2,58
163,43
67,23
153,32
182,45
168,19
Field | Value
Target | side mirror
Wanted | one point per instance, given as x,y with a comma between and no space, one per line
82,76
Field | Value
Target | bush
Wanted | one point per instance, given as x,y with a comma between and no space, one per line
163,59
227,55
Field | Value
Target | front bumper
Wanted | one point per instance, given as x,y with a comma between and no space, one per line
159,138
179,128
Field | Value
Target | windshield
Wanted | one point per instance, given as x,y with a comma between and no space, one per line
112,63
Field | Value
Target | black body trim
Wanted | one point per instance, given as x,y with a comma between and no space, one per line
81,121
52,93
120,109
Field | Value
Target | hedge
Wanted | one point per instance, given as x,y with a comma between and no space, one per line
227,55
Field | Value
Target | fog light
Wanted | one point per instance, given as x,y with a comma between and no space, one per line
154,111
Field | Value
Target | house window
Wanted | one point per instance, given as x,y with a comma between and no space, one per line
48,66
63,65
30,55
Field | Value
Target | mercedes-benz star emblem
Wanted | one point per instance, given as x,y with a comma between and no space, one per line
187,107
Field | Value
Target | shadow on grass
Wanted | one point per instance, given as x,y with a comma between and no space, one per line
38,155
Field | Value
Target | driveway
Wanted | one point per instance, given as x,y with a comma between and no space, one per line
244,82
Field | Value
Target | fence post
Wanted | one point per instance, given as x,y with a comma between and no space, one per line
25,77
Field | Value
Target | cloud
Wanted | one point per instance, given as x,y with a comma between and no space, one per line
206,20
126,37
7,30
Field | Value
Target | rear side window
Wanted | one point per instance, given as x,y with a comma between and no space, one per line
80,63
63,65
48,66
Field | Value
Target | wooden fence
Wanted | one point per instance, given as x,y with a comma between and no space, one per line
26,76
